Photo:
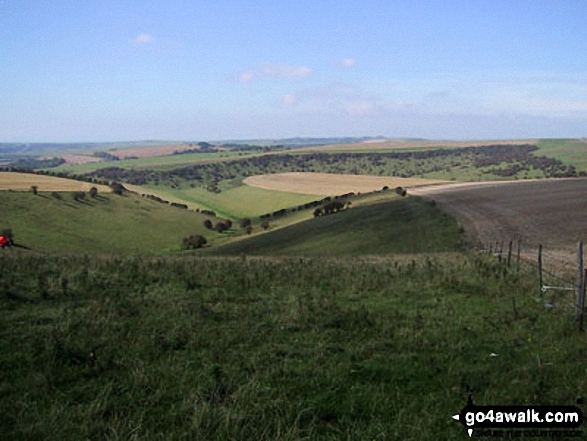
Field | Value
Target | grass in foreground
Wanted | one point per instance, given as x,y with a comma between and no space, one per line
268,349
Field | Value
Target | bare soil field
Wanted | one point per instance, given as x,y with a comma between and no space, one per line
551,212
403,145
329,184
151,151
24,181
79,159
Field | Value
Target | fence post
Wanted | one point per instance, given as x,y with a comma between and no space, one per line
518,261
509,253
580,309
540,267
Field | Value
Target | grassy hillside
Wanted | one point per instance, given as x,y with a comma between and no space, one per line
109,223
268,349
388,225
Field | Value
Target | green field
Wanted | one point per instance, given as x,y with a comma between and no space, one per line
387,225
569,151
108,224
270,349
234,202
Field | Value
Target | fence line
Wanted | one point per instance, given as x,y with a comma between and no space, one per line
547,279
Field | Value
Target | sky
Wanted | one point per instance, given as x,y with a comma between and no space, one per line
102,70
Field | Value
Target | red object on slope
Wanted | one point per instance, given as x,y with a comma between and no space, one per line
4,242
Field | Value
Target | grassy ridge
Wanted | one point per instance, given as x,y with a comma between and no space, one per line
387,225
107,224
272,349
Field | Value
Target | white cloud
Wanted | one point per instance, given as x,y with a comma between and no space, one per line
285,71
246,77
347,63
143,39
289,99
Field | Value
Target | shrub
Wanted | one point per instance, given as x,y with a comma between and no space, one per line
93,192
35,189
194,242
208,224
265,225
244,223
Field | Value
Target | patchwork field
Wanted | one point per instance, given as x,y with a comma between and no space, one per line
237,202
24,181
330,184
151,151
549,212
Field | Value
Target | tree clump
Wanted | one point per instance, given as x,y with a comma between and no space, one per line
194,242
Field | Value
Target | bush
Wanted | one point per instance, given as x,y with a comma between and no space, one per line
265,225
79,195
194,242
244,223
208,224
93,192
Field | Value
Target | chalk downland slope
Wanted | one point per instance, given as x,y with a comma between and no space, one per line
392,225
330,184
24,181
106,224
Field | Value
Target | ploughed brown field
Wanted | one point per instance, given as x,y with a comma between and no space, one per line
330,184
551,212
403,145
24,181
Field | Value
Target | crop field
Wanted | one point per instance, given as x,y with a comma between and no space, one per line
79,159
330,184
24,181
413,145
150,151
549,212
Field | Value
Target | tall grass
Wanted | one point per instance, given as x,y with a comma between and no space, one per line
215,349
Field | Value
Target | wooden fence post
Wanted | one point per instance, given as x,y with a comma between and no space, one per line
580,307
518,261
540,267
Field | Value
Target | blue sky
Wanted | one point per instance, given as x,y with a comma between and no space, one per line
225,69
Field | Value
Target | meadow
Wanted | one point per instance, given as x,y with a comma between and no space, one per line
273,349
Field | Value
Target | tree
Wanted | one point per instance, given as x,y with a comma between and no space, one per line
117,188
244,223
265,225
35,189
220,227
317,212
208,224
194,242
93,192
249,229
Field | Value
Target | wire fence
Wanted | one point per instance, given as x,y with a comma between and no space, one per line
557,289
